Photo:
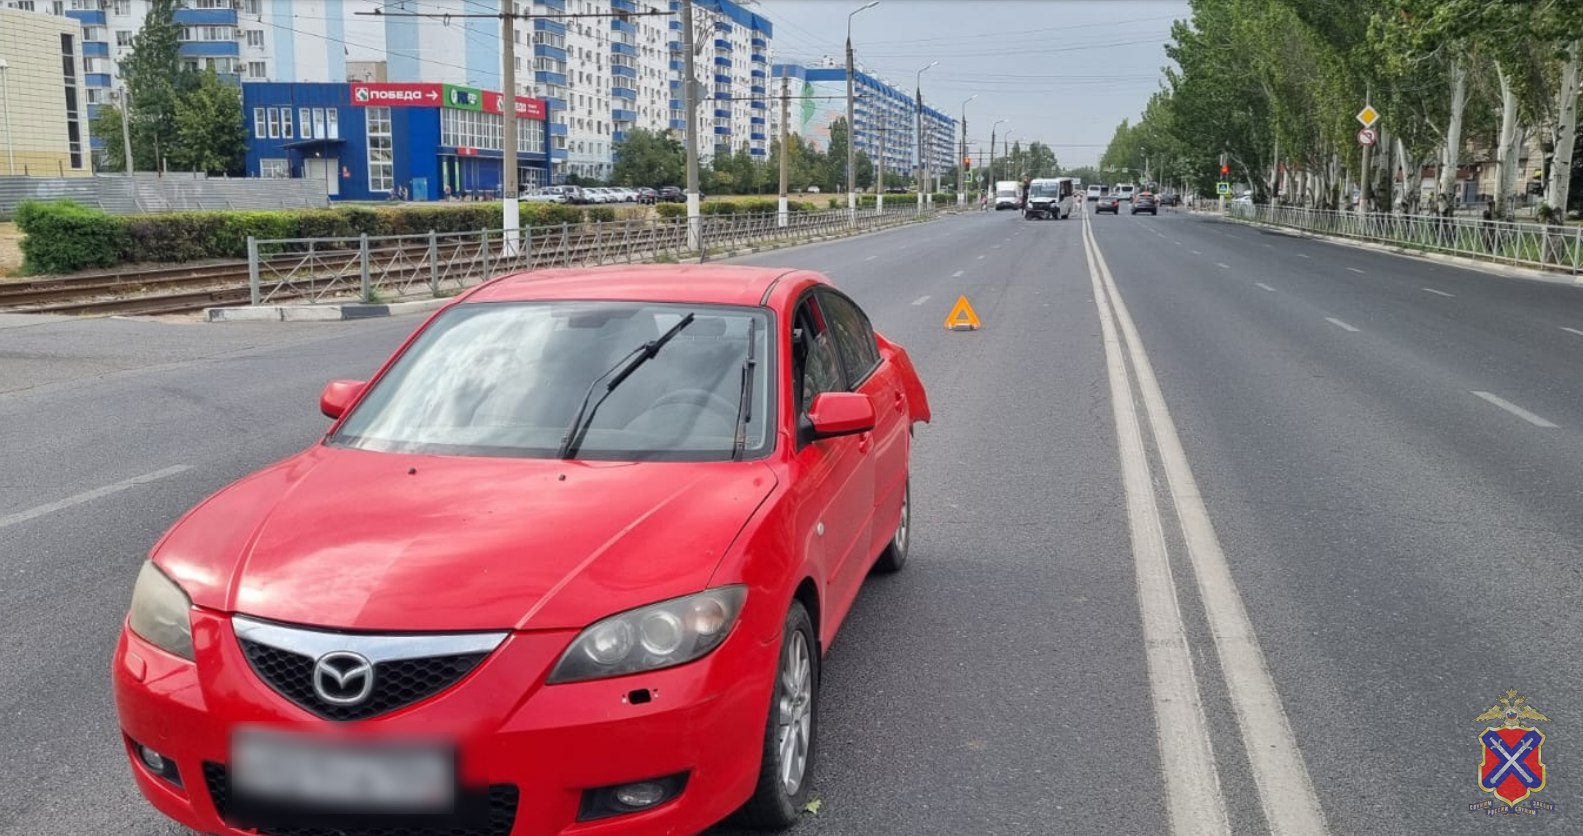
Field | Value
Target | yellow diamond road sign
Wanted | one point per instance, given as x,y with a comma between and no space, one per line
1368,116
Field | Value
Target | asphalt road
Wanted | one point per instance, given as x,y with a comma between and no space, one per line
1404,548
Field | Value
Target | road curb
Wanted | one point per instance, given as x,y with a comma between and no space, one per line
1486,267
320,313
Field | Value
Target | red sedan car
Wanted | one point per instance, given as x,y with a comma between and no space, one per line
568,564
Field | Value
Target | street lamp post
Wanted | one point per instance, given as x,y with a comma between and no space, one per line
851,122
961,178
10,144
998,123
923,170
1005,143
124,96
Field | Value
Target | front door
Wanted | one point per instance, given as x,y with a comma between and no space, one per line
324,171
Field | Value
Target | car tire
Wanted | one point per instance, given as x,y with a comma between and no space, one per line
773,806
895,554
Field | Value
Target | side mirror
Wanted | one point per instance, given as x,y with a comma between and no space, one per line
834,414
338,395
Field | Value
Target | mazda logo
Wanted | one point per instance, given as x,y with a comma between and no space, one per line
342,677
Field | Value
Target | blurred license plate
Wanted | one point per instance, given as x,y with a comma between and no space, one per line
304,771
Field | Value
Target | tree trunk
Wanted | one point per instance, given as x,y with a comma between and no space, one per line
1453,148
1506,151
1566,133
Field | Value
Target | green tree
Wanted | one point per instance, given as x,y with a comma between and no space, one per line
107,126
154,80
209,135
649,158
1041,161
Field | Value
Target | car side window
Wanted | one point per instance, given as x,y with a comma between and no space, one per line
854,336
816,363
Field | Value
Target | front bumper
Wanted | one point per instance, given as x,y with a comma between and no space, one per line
534,749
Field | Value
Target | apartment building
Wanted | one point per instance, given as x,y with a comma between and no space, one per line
43,124
604,67
886,117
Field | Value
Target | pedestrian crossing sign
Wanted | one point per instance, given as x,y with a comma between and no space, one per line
1222,188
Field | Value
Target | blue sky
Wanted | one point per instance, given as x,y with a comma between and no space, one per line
1064,72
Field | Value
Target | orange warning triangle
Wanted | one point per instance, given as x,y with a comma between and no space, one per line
962,317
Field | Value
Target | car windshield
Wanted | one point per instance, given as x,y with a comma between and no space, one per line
1044,190
506,379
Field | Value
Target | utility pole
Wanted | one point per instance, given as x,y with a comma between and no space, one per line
508,133
851,121
922,179
781,218
690,100
125,94
879,167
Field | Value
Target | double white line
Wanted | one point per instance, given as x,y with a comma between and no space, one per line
1195,803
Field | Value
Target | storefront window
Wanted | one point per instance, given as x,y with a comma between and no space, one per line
381,151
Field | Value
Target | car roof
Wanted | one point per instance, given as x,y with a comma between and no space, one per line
718,284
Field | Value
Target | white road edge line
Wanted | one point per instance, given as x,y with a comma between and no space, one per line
1194,803
1286,793
1339,324
88,496
1440,293
1354,269
1516,410
1263,286
1572,331
920,300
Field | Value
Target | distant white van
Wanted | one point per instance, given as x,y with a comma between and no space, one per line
1008,195
1097,190
1049,198
1125,191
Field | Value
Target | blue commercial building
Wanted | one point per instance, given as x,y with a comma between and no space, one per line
375,141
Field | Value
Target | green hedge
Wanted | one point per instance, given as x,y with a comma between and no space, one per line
62,236
944,199
767,206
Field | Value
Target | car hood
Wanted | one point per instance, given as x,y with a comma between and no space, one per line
359,540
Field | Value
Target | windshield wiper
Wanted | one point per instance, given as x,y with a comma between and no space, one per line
744,407
626,366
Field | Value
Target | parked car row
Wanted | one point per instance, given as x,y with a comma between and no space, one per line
586,195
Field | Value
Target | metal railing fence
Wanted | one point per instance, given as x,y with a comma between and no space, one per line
1524,244
316,269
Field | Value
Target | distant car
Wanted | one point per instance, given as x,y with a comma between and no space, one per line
542,196
1108,203
670,194
1145,202
895,190
573,194
812,190
647,195
1170,199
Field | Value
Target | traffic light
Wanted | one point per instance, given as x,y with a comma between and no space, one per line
967,161
1224,169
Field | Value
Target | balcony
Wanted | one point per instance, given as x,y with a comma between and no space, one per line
678,124
757,89
723,95
676,25
209,49
722,131
722,78
721,113
677,104
755,120
624,26
552,26
757,105
757,136
722,43
674,46
723,26
557,129
547,77
619,48
676,66
756,72
96,16
758,58
204,17
558,5
558,154
623,72
552,52
96,79
624,93
758,152
553,103
623,5
618,136
621,115
759,43
676,84
722,62
95,49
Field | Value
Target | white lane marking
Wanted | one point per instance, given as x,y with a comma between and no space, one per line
981,258
1177,243
1196,252
1440,293
1339,324
1572,331
871,258
1516,410
920,300
1223,264
1303,255
1291,806
1354,269
958,274
1263,286
1192,782
88,496
1269,245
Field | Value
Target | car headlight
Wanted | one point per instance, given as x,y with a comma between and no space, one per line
648,638
160,612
